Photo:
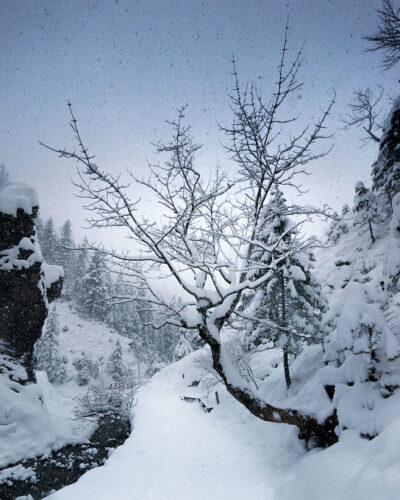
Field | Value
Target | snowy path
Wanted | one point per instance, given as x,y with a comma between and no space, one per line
178,452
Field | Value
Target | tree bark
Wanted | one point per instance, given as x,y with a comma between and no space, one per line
319,434
370,231
286,367
284,324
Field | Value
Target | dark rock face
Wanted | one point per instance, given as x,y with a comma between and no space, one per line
65,466
386,169
23,295
13,229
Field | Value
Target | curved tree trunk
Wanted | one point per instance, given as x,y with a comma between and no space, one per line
320,434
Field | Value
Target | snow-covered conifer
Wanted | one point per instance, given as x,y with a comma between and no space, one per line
65,257
48,242
94,289
47,354
365,208
86,368
362,343
182,349
4,175
115,365
79,268
288,309
64,254
338,225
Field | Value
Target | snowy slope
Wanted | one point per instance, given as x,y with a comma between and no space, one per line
38,418
83,336
179,452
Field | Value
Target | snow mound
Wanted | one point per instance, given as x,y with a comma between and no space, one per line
15,195
27,427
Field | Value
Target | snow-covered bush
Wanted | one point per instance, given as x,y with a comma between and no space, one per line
86,368
361,331
155,366
209,377
338,226
115,365
106,398
182,349
365,208
47,353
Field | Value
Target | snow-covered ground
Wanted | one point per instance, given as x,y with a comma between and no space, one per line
83,336
38,418
179,452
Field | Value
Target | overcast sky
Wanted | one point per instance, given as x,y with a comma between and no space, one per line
126,66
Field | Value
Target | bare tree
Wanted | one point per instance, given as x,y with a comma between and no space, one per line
363,112
203,239
387,36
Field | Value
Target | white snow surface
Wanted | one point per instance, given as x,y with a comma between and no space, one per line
179,452
16,195
38,418
51,273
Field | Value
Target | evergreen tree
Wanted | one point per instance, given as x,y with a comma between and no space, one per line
182,349
79,267
338,225
46,351
94,290
48,242
361,339
365,208
65,257
386,169
86,368
115,365
4,176
39,227
292,301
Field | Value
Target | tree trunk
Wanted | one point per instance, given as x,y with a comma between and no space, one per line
284,324
370,231
319,434
286,367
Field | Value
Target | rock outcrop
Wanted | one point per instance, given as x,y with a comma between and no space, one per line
27,283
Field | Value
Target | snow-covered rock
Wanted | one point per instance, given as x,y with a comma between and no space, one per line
15,195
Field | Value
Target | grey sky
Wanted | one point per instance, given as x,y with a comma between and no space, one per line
126,66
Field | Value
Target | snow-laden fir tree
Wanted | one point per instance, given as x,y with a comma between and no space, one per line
79,267
386,169
39,227
365,208
94,290
115,365
288,309
47,353
4,176
86,368
65,256
182,349
338,225
48,242
64,252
